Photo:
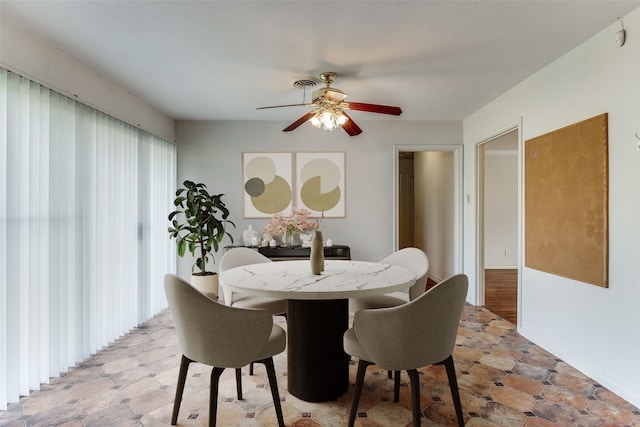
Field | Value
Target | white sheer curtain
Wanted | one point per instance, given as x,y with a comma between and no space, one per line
84,199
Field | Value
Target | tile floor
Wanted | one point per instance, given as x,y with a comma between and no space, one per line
504,380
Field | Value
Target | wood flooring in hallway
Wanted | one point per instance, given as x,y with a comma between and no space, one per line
501,293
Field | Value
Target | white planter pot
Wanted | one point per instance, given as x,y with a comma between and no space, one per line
207,285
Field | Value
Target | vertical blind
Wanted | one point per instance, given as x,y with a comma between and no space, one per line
84,199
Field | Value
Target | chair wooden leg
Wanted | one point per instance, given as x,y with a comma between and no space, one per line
389,374
213,395
396,387
273,384
415,396
251,368
453,385
239,382
362,369
182,378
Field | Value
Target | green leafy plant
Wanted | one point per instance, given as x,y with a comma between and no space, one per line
204,219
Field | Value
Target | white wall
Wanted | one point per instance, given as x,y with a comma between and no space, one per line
434,208
211,152
43,63
500,209
595,329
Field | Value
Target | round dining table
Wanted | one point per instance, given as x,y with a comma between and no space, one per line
317,314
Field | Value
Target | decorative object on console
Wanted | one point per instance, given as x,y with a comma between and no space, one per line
250,236
198,224
317,253
305,239
286,225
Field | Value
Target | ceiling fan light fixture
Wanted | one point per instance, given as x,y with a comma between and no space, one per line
328,118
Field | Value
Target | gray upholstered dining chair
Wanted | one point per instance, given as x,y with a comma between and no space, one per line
419,333
411,258
222,337
237,257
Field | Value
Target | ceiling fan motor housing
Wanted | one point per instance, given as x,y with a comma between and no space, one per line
328,93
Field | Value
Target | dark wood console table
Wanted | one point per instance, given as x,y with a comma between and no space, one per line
298,252
338,252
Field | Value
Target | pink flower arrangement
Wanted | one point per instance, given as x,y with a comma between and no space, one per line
297,221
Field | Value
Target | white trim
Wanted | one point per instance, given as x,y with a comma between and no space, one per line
515,125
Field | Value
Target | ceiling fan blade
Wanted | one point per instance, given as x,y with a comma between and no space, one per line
287,105
375,108
298,122
350,126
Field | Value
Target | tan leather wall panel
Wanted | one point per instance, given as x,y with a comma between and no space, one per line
566,202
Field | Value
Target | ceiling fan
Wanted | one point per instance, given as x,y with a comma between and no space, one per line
330,105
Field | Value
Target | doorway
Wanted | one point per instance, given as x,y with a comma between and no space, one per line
498,171
428,205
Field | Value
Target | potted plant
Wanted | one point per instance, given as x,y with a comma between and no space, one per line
198,225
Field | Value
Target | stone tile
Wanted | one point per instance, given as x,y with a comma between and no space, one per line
45,401
114,416
441,414
606,396
389,414
119,365
530,371
97,401
514,399
565,397
609,412
523,384
508,353
565,368
55,415
477,385
470,402
491,373
594,421
472,354
308,422
480,422
147,402
91,387
556,412
140,387
538,422
504,380
539,360
573,384
501,415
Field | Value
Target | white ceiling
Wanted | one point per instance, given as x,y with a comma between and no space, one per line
219,60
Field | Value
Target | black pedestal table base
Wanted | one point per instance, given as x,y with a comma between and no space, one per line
318,367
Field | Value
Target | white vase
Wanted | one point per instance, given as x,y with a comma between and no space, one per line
250,236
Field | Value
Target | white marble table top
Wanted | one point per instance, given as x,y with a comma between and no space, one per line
339,280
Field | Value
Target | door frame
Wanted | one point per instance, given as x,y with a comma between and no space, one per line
510,127
458,162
